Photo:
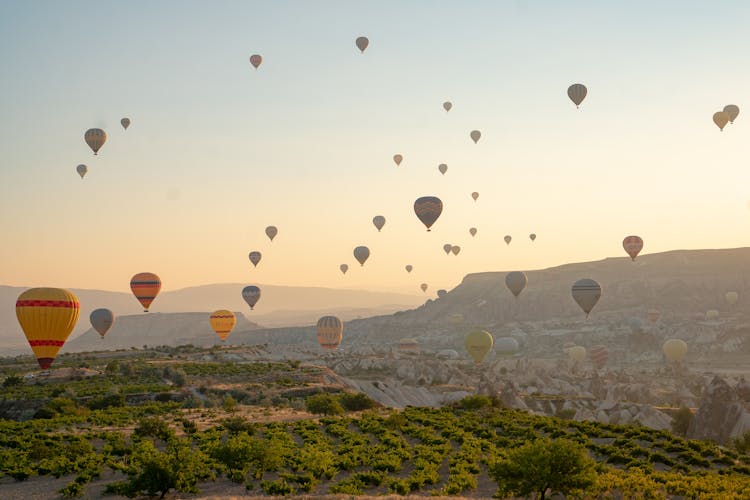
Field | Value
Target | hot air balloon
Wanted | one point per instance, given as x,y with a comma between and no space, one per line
577,93
633,246
586,293
95,138
330,332
675,350
442,293
145,287
447,105
577,353
408,268
731,297
478,344
443,168
254,257
475,135
251,295
455,249
636,325
516,281
47,316
507,239
721,118
652,315
255,60
362,43
82,170
456,319
361,253
102,320
475,195
223,321
599,355
473,231
125,122
378,221
732,110
271,232
532,236
712,314
397,159
506,346
423,286
428,209
408,344
344,268
447,248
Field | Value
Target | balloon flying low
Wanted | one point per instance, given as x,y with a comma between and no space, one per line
223,321
599,355
675,350
478,344
251,295
633,246
516,281
330,331
145,287
102,320
586,292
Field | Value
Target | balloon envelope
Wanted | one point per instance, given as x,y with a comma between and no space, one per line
82,170
223,321
731,297
125,122
475,135
447,248
95,138
506,345
721,118
577,93
408,268
532,236
632,245
423,286
675,350
586,293
428,209
344,268
507,239
599,355
473,231
254,257
256,59
361,253
516,281
442,293
443,168
145,287
455,249
478,343
397,159
732,110
251,295
447,105
577,353
475,195
330,331
102,320
378,221
652,315
47,316
362,43
271,232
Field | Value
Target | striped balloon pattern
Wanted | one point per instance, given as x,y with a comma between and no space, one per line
145,287
633,246
577,93
223,321
428,209
102,320
599,355
47,316
330,331
586,292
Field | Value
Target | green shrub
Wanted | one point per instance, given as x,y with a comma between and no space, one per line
153,427
356,401
323,403
278,487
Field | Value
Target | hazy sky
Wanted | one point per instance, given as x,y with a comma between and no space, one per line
217,150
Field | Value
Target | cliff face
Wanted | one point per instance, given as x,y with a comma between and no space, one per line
722,414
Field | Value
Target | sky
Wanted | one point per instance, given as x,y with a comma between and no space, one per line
218,150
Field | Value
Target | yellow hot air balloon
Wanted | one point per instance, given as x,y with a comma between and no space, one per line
223,321
712,314
731,298
478,344
675,350
577,353
330,332
47,316
95,138
721,118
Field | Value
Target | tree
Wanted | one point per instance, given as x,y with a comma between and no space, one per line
558,465
229,404
356,401
681,421
324,403
12,381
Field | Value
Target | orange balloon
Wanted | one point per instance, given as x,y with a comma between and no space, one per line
223,321
145,287
330,332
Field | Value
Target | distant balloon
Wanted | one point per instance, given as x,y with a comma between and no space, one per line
408,268
532,236
442,293
721,118
652,315
599,355
577,93
506,346
330,332
223,321
423,286
344,268
145,287
378,221
447,105
577,354
633,246
455,249
636,325
251,295
475,135
447,248
398,159
125,122
362,43
443,168
102,320
586,293
456,319
47,316
732,110
475,195
82,170
361,253
675,350
507,239
254,257
712,314
255,60
478,344
516,281
428,209
731,298
271,232
473,231
95,138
